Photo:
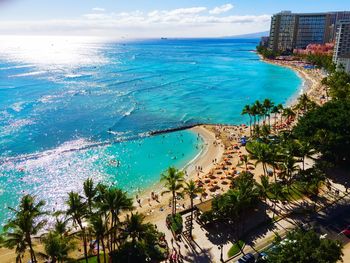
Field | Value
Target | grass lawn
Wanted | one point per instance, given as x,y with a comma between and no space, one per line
294,192
236,248
94,259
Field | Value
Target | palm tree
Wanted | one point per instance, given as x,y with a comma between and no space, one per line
261,152
136,229
267,105
280,110
58,247
61,227
303,102
257,131
264,186
260,110
275,110
245,160
100,230
289,166
265,131
254,112
288,113
15,239
173,180
27,218
305,150
112,201
191,189
77,212
90,192
245,194
247,110
245,185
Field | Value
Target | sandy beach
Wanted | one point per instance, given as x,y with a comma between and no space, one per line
312,78
212,149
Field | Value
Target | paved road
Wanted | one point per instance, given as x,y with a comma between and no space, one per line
333,220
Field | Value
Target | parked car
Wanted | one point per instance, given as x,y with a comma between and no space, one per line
346,231
247,258
262,257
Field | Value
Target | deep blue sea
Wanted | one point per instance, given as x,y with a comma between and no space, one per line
72,108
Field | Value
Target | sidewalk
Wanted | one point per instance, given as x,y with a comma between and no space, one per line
286,224
207,245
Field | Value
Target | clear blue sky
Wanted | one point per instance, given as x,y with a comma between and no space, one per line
83,12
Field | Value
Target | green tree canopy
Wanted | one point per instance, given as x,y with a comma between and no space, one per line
306,247
338,83
328,130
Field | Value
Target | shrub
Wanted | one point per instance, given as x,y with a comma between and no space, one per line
176,223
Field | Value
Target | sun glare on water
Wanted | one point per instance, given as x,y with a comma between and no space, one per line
52,52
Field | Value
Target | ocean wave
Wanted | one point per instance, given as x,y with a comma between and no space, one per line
72,75
76,146
129,112
17,107
34,73
69,146
15,125
17,67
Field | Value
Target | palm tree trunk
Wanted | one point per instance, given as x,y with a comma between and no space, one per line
98,251
104,250
191,217
174,203
111,233
32,254
250,125
264,168
84,241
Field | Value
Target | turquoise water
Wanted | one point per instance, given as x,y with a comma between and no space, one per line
73,108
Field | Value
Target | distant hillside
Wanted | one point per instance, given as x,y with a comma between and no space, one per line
252,35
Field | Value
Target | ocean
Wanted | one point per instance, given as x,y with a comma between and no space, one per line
72,108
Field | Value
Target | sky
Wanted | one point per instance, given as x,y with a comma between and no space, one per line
149,18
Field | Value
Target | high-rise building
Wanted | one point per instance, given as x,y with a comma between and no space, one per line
282,31
311,28
293,30
264,42
341,55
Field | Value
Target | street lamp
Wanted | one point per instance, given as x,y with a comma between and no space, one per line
220,247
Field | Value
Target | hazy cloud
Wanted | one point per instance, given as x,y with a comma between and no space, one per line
181,22
98,9
221,9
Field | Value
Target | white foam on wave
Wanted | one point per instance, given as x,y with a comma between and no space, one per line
129,112
56,172
17,107
17,67
28,74
15,125
73,75
52,97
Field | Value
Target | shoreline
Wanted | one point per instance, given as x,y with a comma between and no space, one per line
158,209
311,85
311,81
